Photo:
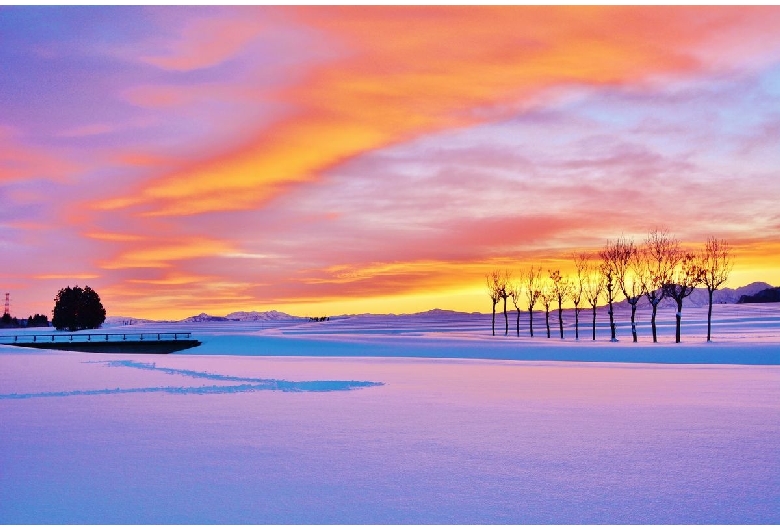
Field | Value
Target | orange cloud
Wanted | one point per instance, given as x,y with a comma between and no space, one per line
756,254
408,71
420,277
161,253
108,236
175,279
177,296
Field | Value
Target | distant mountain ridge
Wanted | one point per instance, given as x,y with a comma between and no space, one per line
243,316
126,321
254,316
766,296
698,298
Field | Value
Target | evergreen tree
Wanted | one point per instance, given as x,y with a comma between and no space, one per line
76,308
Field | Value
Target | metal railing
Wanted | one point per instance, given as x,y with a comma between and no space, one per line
92,337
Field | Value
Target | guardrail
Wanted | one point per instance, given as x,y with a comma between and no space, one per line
59,338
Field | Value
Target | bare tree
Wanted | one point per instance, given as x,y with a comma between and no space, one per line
658,257
607,269
623,254
532,280
594,286
493,281
716,265
546,296
577,289
506,278
515,291
683,280
561,289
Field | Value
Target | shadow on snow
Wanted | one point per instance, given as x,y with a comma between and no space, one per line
250,384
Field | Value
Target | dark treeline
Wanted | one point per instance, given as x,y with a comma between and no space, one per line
657,268
34,321
767,296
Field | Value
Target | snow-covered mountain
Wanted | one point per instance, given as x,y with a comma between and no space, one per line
243,316
254,316
700,298
203,317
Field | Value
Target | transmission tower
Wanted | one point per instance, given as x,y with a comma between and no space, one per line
7,310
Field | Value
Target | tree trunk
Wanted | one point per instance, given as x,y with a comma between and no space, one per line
709,316
560,317
531,320
612,323
494,320
633,320
518,322
547,321
594,322
652,321
506,320
679,319
576,323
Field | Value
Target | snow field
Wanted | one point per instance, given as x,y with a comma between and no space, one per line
290,424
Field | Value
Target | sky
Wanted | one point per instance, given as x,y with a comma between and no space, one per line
329,160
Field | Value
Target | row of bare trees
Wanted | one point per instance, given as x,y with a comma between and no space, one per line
658,268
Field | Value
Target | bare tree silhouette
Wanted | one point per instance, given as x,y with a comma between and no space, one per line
656,269
532,280
506,278
683,280
546,296
624,261
607,268
515,291
561,289
493,282
577,289
716,265
658,257
594,286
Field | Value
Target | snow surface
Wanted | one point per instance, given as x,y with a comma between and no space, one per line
401,419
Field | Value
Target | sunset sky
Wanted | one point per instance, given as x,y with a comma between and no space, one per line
324,160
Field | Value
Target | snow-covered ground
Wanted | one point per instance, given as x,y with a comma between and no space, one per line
401,419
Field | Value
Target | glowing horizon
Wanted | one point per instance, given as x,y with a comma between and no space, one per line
328,160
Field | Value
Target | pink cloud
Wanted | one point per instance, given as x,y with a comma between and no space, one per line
206,42
20,161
